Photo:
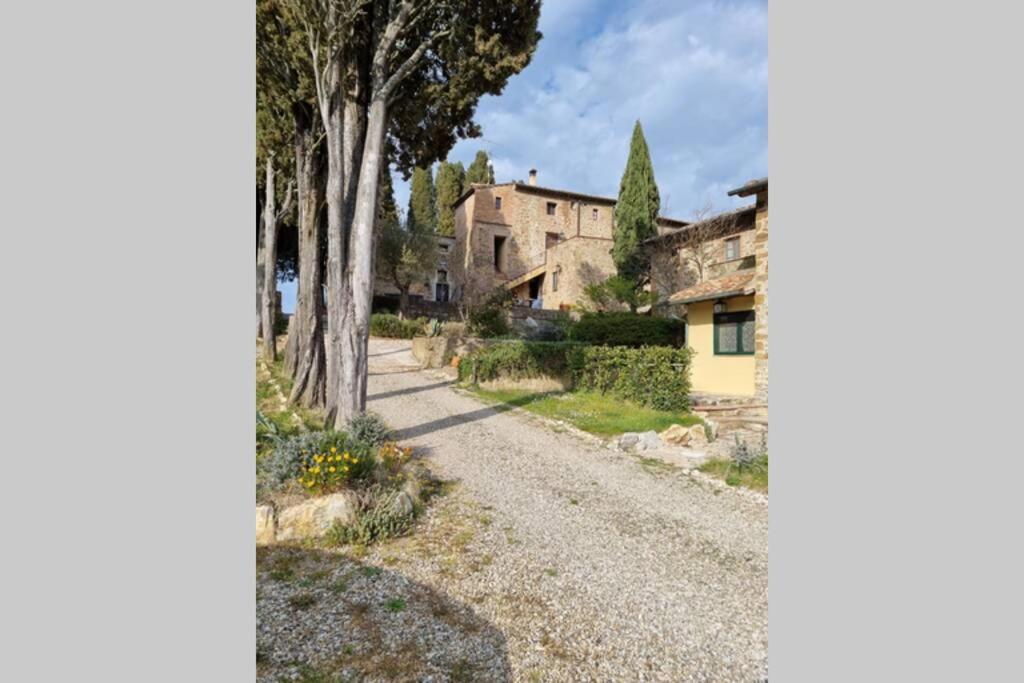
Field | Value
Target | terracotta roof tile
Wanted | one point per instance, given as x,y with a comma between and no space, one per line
736,284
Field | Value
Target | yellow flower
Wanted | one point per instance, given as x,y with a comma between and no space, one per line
356,461
344,468
333,449
330,469
318,458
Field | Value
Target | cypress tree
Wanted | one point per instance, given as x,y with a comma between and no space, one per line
450,178
480,171
636,212
422,201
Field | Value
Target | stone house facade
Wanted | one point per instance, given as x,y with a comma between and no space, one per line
436,287
544,244
724,300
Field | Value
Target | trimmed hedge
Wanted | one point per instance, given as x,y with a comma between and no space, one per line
653,376
517,360
627,329
387,325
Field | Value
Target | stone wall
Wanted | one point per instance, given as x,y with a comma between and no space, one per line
761,297
673,267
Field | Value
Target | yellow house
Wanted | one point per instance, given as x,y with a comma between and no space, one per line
720,329
725,299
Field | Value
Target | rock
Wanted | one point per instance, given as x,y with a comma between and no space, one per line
313,518
677,435
713,427
697,436
628,440
266,531
649,441
403,504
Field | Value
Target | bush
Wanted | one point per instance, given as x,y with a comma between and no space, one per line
626,329
293,456
387,325
488,319
517,360
369,429
379,515
653,376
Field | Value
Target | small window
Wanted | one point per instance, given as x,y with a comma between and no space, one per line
554,279
732,248
551,208
497,202
499,252
593,214
734,333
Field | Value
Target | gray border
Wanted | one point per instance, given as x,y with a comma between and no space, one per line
895,150
128,157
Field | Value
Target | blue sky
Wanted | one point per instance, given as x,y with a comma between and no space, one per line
694,73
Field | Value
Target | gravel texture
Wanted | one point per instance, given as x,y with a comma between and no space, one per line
551,558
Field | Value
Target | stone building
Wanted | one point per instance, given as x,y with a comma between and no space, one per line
546,245
714,274
436,287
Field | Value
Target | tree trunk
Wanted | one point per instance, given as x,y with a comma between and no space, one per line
310,363
333,128
403,302
261,258
270,265
352,396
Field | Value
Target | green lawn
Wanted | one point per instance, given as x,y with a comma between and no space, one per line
753,476
592,412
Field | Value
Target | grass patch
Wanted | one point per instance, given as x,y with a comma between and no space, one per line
753,476
592,412
395,605
302,601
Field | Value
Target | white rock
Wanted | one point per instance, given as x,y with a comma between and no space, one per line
265,527
677,435
649,441
313,518
697,436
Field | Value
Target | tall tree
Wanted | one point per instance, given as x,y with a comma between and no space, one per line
450,181
480,171
273,154
395,79
405,253
422,214
636,212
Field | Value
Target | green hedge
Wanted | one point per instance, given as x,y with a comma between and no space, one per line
626,329
517,360
387,325
653,376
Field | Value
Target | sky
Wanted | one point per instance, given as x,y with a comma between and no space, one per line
695,74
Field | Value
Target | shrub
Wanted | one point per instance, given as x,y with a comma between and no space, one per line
488,319
654,376
379,515
293,456
626,329
516,360
453,329
387,325
368,429
336,467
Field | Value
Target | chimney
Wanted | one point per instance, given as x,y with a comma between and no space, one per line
533,176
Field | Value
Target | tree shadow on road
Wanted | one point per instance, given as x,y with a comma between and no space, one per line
409,390
325,616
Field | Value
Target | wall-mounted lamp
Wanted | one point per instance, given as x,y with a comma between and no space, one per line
720,306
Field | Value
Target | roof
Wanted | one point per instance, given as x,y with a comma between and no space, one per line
737,284
740,214
565,194
750,187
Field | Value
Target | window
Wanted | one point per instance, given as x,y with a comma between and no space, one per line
734,333
554,278
593,214
497,203
732,248
499,252
551,208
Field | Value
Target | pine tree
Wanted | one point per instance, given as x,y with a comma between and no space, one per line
450,180
480,171
636,211
422,201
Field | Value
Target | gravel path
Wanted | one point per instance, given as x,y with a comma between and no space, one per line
567,561
656,576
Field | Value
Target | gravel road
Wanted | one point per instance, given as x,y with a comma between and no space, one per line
639,572
566,561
